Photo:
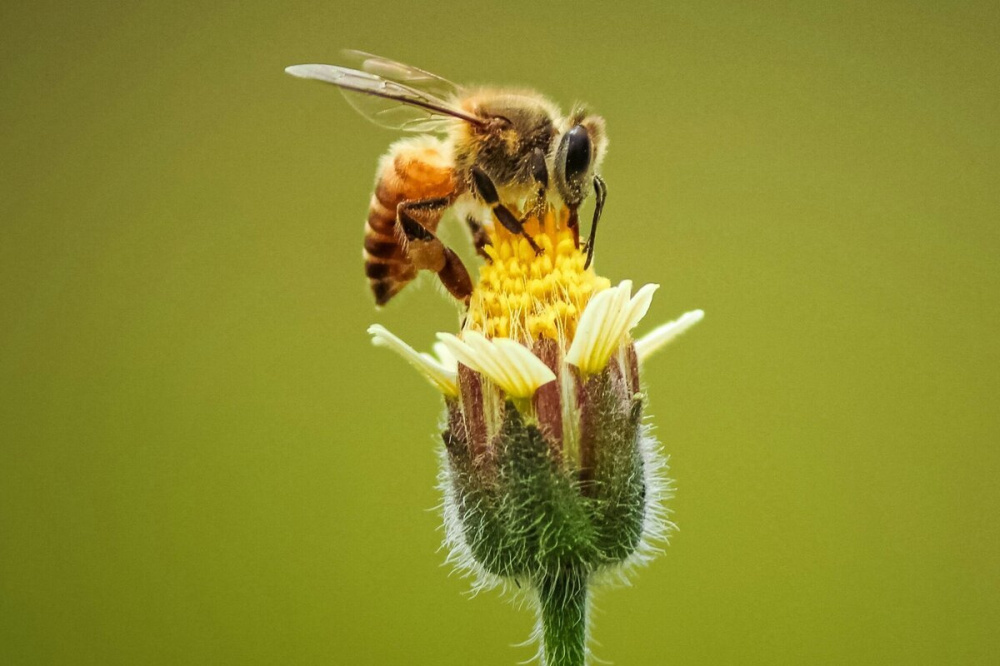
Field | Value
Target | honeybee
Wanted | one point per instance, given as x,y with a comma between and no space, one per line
492,154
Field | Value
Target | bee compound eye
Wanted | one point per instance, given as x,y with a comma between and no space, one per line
577,144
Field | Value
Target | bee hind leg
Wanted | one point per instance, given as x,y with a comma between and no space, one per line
426,251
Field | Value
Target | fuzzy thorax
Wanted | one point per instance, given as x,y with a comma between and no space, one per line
527,296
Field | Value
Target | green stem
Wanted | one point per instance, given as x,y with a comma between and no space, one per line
563,596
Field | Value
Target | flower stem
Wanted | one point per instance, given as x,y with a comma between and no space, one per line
563,596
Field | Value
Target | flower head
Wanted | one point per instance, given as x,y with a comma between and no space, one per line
550,477
528,296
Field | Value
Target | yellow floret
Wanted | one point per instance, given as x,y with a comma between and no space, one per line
527,296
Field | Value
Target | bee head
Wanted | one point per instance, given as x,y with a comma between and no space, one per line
579,154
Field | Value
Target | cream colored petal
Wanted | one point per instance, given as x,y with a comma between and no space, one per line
492,366
639,305
582,352
531,372
605,323
461,351
660,336
509,365
445,357
441,376
611,328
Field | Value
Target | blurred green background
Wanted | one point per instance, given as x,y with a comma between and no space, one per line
203,460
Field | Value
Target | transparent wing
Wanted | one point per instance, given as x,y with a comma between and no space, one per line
387,103
399,72
397,115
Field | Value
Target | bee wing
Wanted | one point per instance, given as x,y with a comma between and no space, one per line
399,72
387,103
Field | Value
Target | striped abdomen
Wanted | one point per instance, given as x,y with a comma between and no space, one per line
413,169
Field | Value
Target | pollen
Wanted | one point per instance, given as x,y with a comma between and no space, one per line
526,295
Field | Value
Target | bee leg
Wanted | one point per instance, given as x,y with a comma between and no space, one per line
423,248
540,173
455,276
426,251
573,223
601,192
479,237
488,192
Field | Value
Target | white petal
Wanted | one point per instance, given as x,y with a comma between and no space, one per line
447,359
639,305
605,322
612,327
509,365
658,338
492,366
461,351
473,357
589,328
437,373
530,370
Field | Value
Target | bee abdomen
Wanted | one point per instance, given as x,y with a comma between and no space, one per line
386,266
414,169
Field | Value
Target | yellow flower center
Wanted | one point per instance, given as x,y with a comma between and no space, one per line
527,296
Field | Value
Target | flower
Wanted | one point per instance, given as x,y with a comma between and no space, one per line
551,480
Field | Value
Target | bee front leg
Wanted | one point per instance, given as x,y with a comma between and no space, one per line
426,251
540,173
487,191
601,192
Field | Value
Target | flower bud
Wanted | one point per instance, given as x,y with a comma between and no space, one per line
557,481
